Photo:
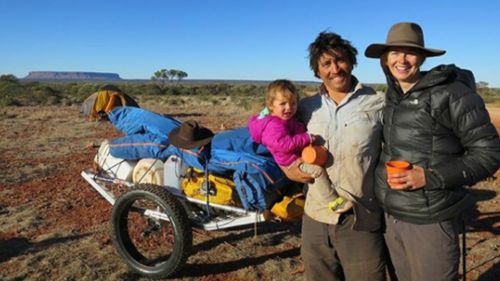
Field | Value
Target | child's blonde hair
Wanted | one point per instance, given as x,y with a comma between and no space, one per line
283,86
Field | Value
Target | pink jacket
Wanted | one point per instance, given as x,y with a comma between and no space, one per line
285,139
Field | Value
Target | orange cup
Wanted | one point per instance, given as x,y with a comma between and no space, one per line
315,154
396,167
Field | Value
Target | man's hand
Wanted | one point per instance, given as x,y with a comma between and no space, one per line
294,173
317,140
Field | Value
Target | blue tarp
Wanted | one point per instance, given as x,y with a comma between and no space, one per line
233,153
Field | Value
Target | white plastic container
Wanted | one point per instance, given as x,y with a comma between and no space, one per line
148,170
174,170
115,167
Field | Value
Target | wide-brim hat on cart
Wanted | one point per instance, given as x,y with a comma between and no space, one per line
190,135
403,34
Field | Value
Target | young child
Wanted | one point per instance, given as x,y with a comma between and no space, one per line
277,128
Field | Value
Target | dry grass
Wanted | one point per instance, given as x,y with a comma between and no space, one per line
54,226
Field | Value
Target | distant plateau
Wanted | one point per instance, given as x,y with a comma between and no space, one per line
72,75
83,76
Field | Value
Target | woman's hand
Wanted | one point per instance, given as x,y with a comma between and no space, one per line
409,180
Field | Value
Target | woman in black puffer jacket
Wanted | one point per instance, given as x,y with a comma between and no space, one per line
436,121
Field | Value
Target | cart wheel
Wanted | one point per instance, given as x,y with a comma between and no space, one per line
151,231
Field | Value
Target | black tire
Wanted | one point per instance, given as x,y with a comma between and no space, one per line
151,247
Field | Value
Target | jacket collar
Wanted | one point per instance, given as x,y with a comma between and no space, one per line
436,76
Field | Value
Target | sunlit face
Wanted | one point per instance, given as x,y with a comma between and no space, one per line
284,107
335,71
404,64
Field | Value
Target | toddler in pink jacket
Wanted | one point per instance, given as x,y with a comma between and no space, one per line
278,129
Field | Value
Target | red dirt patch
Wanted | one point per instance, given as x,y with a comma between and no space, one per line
54,226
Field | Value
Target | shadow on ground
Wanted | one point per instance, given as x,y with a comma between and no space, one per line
482,221
187,114
492,274
18,246
279,233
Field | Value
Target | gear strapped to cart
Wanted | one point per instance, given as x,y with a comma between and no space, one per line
206,181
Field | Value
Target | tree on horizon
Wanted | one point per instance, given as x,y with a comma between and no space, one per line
9,78
162,76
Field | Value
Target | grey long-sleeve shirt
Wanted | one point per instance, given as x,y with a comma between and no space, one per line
351,132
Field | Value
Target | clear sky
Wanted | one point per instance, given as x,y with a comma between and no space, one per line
232,39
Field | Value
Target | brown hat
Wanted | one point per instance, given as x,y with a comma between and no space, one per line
403,34
190,135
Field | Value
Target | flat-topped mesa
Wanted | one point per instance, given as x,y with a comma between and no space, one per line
71,75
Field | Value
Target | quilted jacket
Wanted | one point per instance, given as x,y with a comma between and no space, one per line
442,125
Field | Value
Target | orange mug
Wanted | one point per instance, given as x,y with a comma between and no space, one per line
396,167
315,155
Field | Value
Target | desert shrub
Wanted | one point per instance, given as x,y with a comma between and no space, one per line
250,103
246,91
70,91
199,91
86,89
221,89
9,78
32,84
132,89
175,101
13,93
246,88
204,98
381,88
43,94
489,95
8,88
9,101
66,101
172,91
244,103
223,100
149,90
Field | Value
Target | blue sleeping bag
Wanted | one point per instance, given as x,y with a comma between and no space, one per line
146,133
233,153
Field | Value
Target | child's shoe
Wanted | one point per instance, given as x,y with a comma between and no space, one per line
340,205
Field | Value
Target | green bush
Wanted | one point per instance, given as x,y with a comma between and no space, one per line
9,101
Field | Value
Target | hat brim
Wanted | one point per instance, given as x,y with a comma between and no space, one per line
377,50
176,140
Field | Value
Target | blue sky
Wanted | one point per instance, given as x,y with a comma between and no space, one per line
227,39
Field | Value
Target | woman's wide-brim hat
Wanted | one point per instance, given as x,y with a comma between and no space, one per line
190,135
404,34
